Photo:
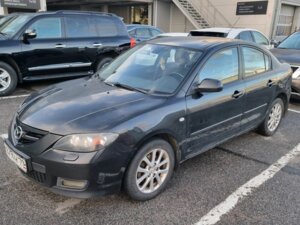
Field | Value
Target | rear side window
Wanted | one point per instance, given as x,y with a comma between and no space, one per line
47,28
222,66
208,34
259,38
155,32
246,36
255,62
78,26
105,27
143,32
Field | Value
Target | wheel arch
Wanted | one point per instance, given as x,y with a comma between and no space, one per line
109,54
10,61
284,97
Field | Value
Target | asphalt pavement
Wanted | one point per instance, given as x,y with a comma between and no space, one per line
208,189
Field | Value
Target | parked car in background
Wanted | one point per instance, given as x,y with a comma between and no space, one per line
152,108
45,45
245,34
289,51
173,35
142,32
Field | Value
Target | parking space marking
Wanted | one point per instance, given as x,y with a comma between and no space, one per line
214,216
295,111
4,136
65,206
14,96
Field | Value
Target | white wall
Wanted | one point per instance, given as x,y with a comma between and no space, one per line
179,23
161,18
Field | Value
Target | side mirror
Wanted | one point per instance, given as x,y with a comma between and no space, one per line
29,34
275,43
209,85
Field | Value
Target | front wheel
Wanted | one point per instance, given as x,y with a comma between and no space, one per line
273,118
8,79
150,170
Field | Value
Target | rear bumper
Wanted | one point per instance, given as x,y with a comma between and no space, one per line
102,172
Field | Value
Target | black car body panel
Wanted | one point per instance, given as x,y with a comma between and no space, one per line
192,122
64,56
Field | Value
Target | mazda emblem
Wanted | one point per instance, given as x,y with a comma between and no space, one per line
18,133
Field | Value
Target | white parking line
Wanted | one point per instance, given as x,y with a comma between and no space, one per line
14,96
4,136
295,111
232,200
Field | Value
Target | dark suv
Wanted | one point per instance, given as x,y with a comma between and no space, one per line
46,45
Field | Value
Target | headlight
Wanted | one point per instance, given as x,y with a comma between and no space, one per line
296,74
85,142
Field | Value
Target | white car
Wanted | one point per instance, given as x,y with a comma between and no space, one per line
246,34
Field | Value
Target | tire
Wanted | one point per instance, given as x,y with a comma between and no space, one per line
150,174
103,62
8,79
275,113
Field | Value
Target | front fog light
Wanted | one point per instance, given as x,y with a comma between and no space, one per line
73,184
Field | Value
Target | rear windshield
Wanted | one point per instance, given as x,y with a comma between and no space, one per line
208,34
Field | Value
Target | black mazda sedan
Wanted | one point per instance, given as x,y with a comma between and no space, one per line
153,107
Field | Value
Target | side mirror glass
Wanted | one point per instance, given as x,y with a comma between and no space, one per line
209,85
29,34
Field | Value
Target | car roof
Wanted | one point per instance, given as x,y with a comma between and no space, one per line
132,26
173,35
224,29
198,43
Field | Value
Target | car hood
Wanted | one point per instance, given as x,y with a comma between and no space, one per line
290,56
83,106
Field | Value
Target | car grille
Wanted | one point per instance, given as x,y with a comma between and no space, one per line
37,176
29,135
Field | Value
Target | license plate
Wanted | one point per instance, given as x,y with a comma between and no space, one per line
18,160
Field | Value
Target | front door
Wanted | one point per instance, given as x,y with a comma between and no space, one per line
215,117
45,54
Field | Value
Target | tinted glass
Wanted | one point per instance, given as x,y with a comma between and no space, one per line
106,27
260,39
79,27
208,34
12,26
132,33
156,69
292,42
246,36
143,32
222,66
155,32
254,61
47,28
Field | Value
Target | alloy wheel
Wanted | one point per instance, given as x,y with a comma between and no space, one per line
275,117
5,79
152,170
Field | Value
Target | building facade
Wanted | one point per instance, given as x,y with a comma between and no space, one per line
275,18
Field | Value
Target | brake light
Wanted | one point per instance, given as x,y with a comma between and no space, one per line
132,42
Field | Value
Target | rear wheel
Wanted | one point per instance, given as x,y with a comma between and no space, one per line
8,79
150,170
103,62
273,118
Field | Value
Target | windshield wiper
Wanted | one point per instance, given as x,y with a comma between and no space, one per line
117,84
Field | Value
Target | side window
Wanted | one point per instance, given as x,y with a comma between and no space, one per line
47,28
268,62
79,27
246,36
260,39
254,61
155,32
223,66
143,32
132,33
105,27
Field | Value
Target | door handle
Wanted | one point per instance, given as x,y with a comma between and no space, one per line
238,94
270,83
97,44
60,46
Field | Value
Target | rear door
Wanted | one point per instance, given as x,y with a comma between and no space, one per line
260,85
215,117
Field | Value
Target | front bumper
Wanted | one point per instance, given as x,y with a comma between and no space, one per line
103,171
296,87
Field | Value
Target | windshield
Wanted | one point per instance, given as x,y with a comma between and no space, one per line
12,26
292,42
157,69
